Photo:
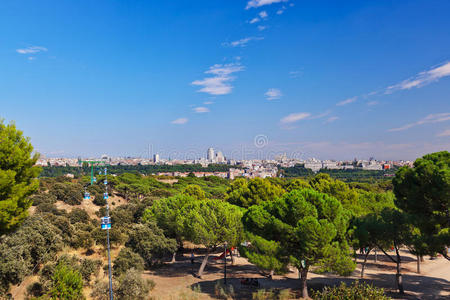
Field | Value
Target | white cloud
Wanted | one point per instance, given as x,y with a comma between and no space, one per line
243,42
219,84
31,50
263,14
281,10
254,20
319,116
444,133
433,118
421,79
273,94
295,117
372,103
347,101
295,74
208,102
180,121
261,28
259,3
201,109
332,119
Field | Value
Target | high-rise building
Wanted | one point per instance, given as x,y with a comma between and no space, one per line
219,157
210,155
156,158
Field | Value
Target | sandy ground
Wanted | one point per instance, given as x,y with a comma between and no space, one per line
175,281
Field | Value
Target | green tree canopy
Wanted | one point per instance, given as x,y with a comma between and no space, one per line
337,189
17,176
195,191
149,241
424,192
67,283
169,214
247,193
126,260
212,223
310,227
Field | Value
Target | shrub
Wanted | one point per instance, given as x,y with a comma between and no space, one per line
161,193
133,287
35,289
149,241
67,283
126,260
78,215
100,291
89,267
223,292
43,198
99,200
69,193
63,224
82,239
35,242
356,291
47,207
116,236
129,286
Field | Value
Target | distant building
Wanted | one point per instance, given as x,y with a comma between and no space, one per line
210,155
219,157
156,158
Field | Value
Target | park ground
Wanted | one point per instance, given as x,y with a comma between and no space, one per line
176,280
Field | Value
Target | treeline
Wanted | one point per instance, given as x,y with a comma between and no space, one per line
345,175
55,171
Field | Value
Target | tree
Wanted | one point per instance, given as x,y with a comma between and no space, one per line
424,192
17,176
368,235
393,229
310,227
67,283
266,254
297,184
195,191
238,192
255,191
150,243
338,189
212,223
169,214
126,260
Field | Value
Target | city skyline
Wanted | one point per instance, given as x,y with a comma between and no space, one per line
324,79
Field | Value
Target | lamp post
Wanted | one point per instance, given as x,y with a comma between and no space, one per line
225,264
106,225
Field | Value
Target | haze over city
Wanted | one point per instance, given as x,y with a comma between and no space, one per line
325,79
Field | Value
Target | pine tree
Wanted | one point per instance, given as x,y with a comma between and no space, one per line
17,176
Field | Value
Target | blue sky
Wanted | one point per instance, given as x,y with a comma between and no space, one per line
325,79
